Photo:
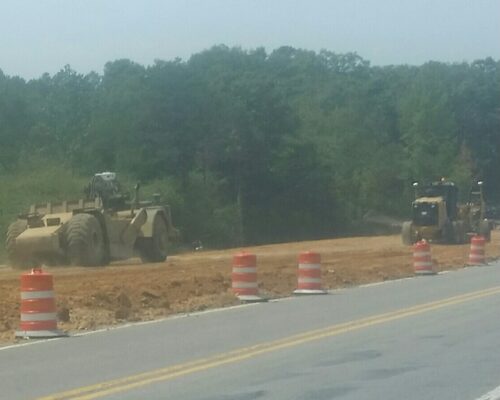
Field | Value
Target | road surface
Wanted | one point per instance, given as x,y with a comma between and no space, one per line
435,337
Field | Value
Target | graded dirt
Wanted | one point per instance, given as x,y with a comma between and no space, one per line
91,298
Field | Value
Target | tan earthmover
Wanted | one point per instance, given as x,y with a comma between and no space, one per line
437,215
105,226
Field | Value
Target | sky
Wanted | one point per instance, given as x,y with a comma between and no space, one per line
38,36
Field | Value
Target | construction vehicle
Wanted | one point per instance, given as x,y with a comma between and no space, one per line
103,227
438,217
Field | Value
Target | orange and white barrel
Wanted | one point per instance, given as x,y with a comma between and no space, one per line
422,259
309,274
38,306
244,277
477,250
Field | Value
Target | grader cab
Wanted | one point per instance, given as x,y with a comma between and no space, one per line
103,227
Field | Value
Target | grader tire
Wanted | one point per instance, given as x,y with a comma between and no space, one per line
485,229
154,249
406,233
460,236
13,231
85,241
448,234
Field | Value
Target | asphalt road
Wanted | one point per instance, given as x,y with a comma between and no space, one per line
432,337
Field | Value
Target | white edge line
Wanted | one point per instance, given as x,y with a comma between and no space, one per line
198,313
492,395
131,324
12,346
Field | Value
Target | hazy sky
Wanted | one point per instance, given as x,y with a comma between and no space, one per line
38,36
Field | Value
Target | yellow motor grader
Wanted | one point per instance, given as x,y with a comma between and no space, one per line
93,231
437,216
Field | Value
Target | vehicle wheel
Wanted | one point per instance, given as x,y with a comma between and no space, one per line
459,232
406,233
13,231
485,229
449,233
154,249
85,241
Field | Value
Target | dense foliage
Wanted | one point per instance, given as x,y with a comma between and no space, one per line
253,147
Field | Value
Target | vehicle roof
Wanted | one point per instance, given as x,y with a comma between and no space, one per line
437,199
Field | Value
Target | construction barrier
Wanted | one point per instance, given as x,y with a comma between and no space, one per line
309,274
38,306
477,250
422,259
244,277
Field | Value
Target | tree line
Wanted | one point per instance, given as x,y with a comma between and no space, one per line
251,147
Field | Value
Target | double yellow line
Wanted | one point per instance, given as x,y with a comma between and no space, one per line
163,374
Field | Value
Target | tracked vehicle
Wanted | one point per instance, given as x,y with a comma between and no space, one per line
102,227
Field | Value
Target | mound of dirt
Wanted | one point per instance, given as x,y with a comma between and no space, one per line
90,298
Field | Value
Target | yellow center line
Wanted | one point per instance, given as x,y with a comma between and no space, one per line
162,374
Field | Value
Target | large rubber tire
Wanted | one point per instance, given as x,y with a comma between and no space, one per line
13,231
448,234
85,241
154,249
407,234
460,236
485,229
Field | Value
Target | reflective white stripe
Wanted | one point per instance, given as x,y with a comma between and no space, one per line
39,317
493,395
309,280
244,270
47,294
421,254
473,247
244,285
309,266
422,264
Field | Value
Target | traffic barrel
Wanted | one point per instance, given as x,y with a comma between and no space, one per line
244,277
477,250
422,259
309,274
38,306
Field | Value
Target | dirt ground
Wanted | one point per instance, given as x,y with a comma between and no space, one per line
90,298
